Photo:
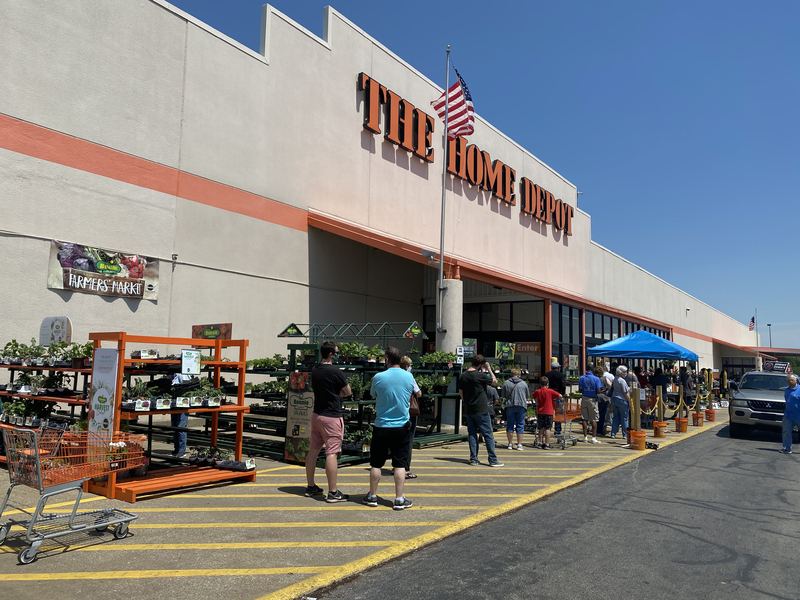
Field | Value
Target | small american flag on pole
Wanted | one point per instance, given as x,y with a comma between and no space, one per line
461,114
752,323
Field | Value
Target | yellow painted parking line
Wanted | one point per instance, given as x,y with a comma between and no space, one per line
151,574
286,495
411,482
400,548
494,473
49,506
316,506
279,469
230,546
303,524
469,469
466,465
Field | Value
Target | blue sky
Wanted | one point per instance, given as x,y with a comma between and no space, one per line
677,120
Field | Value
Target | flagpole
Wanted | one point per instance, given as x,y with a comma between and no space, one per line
756,331
444,195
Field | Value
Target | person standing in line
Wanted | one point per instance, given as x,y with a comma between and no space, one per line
327,426
545,398
640,377
791,415
516,393
405,363
604,397
620,402
590,386
472,388
660,380
558,383
392,391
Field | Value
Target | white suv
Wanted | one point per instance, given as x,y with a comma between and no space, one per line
757,402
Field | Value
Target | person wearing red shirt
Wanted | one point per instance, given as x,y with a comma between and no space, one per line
545,397
643,381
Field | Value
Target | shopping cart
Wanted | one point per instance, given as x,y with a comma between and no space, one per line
566,412
57,462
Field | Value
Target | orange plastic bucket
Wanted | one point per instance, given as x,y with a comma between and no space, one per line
681,425
697,419
660,429
711,415
638,439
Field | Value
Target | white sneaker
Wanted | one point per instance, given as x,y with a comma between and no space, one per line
519,447
510,446
596,441
586,439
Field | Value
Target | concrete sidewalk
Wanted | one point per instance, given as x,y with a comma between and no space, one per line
266,538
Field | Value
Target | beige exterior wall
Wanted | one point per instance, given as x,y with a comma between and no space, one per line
147,80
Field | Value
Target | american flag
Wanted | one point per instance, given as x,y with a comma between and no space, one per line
461,114
752,323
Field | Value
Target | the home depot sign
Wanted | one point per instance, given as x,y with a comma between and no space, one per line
412,129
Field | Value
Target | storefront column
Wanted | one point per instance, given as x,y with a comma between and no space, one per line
547,351
452,317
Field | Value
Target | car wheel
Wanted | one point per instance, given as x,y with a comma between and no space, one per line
736,430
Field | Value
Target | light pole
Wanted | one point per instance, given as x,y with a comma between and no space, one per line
769,326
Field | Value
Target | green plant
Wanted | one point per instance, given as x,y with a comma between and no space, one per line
39,409
266,363
413,351
12,349
38,381
357,385
24,378
376,352
438,357
82,425
426,383
16,408
75,350
140,389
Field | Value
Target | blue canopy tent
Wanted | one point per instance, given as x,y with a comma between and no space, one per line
642,344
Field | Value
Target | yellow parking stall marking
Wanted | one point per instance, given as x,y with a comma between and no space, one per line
470,469
303,524
285,495
230,546
279,469
509,462
316,506
409,482
459,475
49,506
322,580
153,574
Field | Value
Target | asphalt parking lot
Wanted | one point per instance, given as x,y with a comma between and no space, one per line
265,539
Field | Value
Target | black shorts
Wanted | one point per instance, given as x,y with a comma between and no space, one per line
545,421
391,442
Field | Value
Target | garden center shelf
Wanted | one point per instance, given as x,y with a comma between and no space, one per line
77,400
176,477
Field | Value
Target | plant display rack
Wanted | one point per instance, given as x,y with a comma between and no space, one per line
172,478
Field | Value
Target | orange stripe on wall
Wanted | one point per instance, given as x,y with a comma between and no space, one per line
52,146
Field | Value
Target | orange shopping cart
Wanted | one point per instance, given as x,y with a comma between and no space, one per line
57,462
566,412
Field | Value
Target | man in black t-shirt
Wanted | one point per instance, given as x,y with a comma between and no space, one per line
472,388
327,426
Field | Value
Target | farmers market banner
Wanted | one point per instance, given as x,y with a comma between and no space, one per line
103,272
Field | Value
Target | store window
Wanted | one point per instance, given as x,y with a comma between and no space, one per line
496,317
528,316
472,317
566,333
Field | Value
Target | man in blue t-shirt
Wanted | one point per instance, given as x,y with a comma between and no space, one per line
392,391
590,386
791,414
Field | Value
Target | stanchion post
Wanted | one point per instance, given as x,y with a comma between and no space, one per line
681,404
659,404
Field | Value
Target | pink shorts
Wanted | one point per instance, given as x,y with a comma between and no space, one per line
328,432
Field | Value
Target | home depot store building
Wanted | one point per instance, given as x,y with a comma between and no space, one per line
298,184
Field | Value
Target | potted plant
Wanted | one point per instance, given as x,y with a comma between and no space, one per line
357,385
55,354
117,452
24,383
79,353
11,353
